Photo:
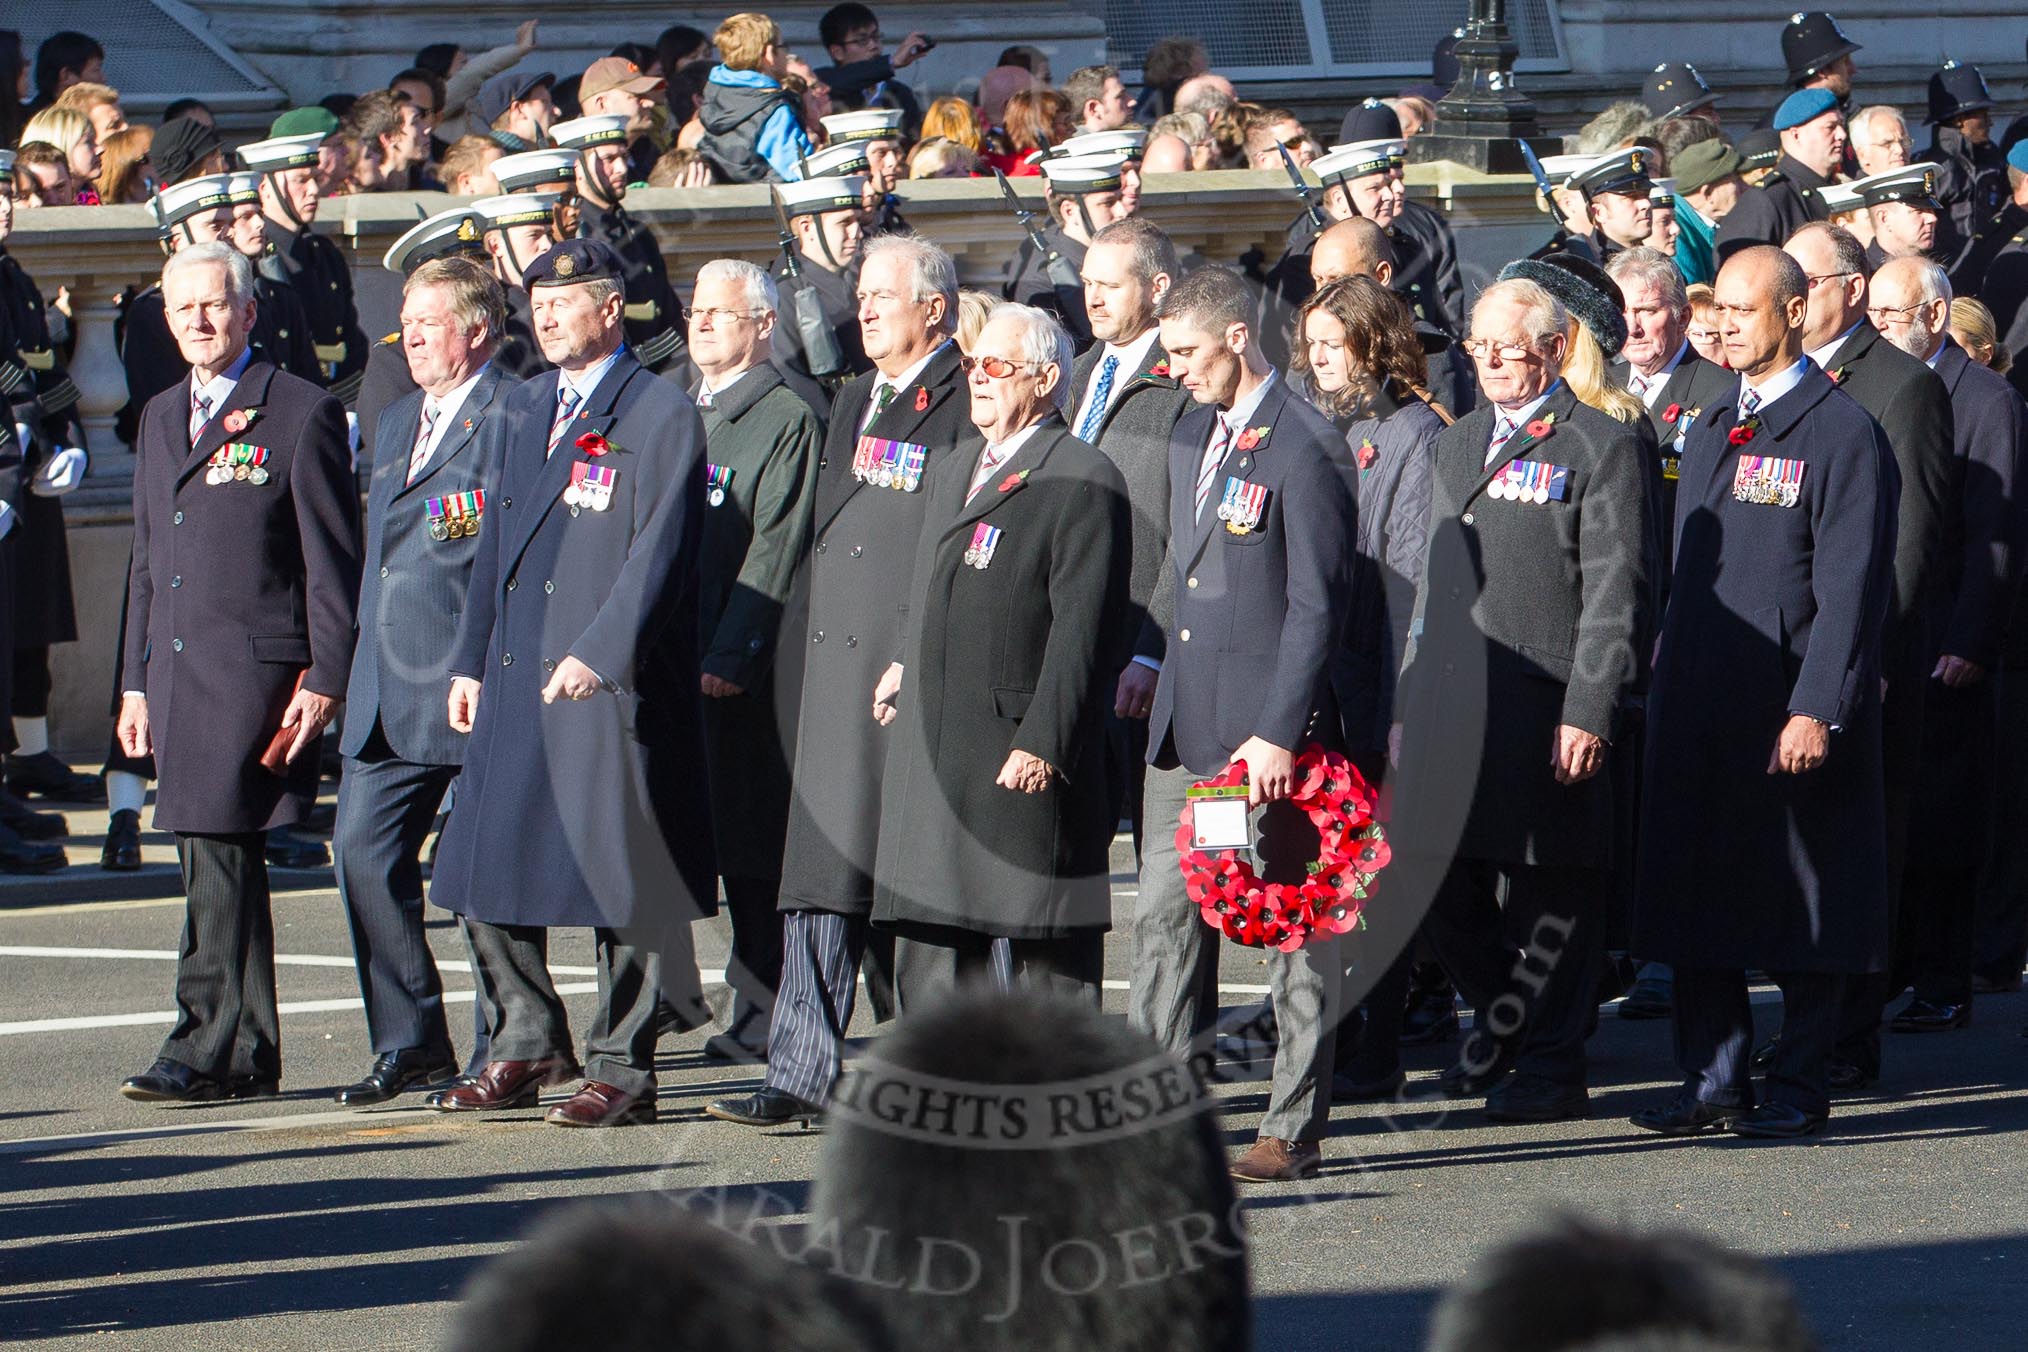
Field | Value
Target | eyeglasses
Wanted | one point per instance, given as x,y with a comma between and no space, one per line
996,368
1900,314
1817,279
1480,348
717,317
871,39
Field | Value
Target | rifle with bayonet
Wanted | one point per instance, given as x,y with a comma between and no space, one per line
1063,278
812,327
1302,186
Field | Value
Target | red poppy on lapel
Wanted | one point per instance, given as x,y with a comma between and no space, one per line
592,444
1671,413
1745,432
1013,481
240,419
1542,428
921,398
1368,453
1252,437
1838,376
1160,368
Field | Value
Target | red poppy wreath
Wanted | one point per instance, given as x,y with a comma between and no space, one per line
1352,849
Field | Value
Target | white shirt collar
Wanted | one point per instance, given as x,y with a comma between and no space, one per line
1006,449
1525,414
586,381
219,388
1778,384
913,373
1243,408
1130,358
1931,359
448,406
1821,355
1656,381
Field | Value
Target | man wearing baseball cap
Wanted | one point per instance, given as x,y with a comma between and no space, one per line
613,86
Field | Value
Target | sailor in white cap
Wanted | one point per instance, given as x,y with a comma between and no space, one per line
518,229
307,262
552,171
1083,193
1566,204
654,318
878,132
826,216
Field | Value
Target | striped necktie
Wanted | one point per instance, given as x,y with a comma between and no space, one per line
566,409
1214,459
1749,402
1502,430
1102,392
420,455
200,414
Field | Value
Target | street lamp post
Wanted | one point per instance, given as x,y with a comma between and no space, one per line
1482,119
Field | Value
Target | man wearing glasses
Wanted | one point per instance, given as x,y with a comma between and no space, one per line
762,442
861,75
1764,720
996,823
1913,408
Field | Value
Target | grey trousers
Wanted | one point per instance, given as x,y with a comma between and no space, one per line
1174,977
511,964
932,960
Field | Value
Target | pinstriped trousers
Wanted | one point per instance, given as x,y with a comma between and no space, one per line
227,1025
821,951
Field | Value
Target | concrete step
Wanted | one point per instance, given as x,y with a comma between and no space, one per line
83,880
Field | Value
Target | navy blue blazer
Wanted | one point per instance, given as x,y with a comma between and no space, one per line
413,593
594,811
236,589
1257,615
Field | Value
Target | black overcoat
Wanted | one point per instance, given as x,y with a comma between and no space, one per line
1693,386
1530,615
235,589
315,268
595,811
44,611
861,561
1776,610
412,594
756,540
1019,654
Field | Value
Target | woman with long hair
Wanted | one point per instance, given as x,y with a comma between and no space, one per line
1359,358
1036,120
1972,324
954,120
72,133
126,175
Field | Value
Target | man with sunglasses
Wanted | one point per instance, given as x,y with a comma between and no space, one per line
1913,408
995,821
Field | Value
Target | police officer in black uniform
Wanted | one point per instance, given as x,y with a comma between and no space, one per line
1819,56
826,215
1973,183
654,318
1675,89
304,260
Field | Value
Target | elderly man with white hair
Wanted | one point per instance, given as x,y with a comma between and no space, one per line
762,442
996,822
1931,949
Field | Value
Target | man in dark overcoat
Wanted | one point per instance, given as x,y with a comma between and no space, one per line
1913,408
995,823
1261,597
239,634
1950,826
1125,399
583,799
1764,831
763,442
431,496
885,431
1523,652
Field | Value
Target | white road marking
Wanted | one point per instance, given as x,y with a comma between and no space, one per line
287,1007
281,959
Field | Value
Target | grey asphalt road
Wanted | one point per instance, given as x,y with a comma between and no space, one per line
293,1224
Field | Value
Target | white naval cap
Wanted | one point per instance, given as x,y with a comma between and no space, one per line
448,232
597,130
245,187
530,168
1128,142
1080,174
281,152
511,209
836,159
1559,168
1662,191
192,197
868,124
1839,198
829,192
1356,160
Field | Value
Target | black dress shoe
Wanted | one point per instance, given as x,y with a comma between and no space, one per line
287,850
1348,1087
1849,1076
173,1082
28,856
122,853
253,1087
770,1107
1649,999
395,1071
44,775
1432,1018
29,824
1531,1098
1778,1122
1764,1054
1686,1115
1460,1081
1931,1016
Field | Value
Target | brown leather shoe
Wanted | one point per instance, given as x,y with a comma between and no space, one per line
1273,1160
504,1084
601,1105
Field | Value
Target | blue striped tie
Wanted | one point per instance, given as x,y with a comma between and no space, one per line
1087,429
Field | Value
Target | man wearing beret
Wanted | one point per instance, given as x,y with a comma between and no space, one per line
575,672
1812,131
239,633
